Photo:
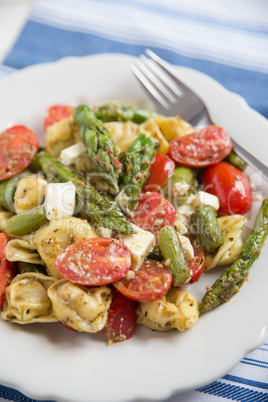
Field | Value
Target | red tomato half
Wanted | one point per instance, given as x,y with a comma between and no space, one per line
94,262
153,212
231,186
7,268
203,148
197,264
121,321
56,113
18,145
150,282
161,169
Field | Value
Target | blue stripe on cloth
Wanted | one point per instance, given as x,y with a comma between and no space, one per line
241,380
256,361
13,395
40,43
253,364
234,392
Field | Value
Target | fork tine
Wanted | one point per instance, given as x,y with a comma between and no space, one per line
144,66
147,84
161,75
169,70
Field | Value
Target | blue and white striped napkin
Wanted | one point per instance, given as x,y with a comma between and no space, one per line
225,39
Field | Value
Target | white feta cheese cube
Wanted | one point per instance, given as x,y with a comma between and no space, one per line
139,244
187,247
59,200
69,155
203,198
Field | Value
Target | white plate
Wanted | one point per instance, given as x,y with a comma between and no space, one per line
48,362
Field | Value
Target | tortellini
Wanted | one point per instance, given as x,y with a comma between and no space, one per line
61,135
162,128
173,127
123,133
29,193
22,250
53,238
80,307
232,227
178,309
27,300
151,128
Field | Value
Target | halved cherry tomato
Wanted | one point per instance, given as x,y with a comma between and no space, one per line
94,262
56,113
121,321
203,148
150,282
161,169
7,268
197,264
18,145
231,186
153,212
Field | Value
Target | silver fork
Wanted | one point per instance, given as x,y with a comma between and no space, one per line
173,96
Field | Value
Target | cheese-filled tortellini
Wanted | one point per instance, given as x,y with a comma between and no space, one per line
178,309
22,250
29,193
173,127
27,300
162,128
123,133
53,238
61,135
231,227
151,128
82,308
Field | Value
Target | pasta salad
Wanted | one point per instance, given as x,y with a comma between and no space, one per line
104,227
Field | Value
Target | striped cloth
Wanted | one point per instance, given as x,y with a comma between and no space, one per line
225,39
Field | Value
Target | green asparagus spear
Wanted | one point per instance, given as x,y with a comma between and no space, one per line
236,160
119,112
206,227
170,247
136,161
27,222
229,283
101,149
92,204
